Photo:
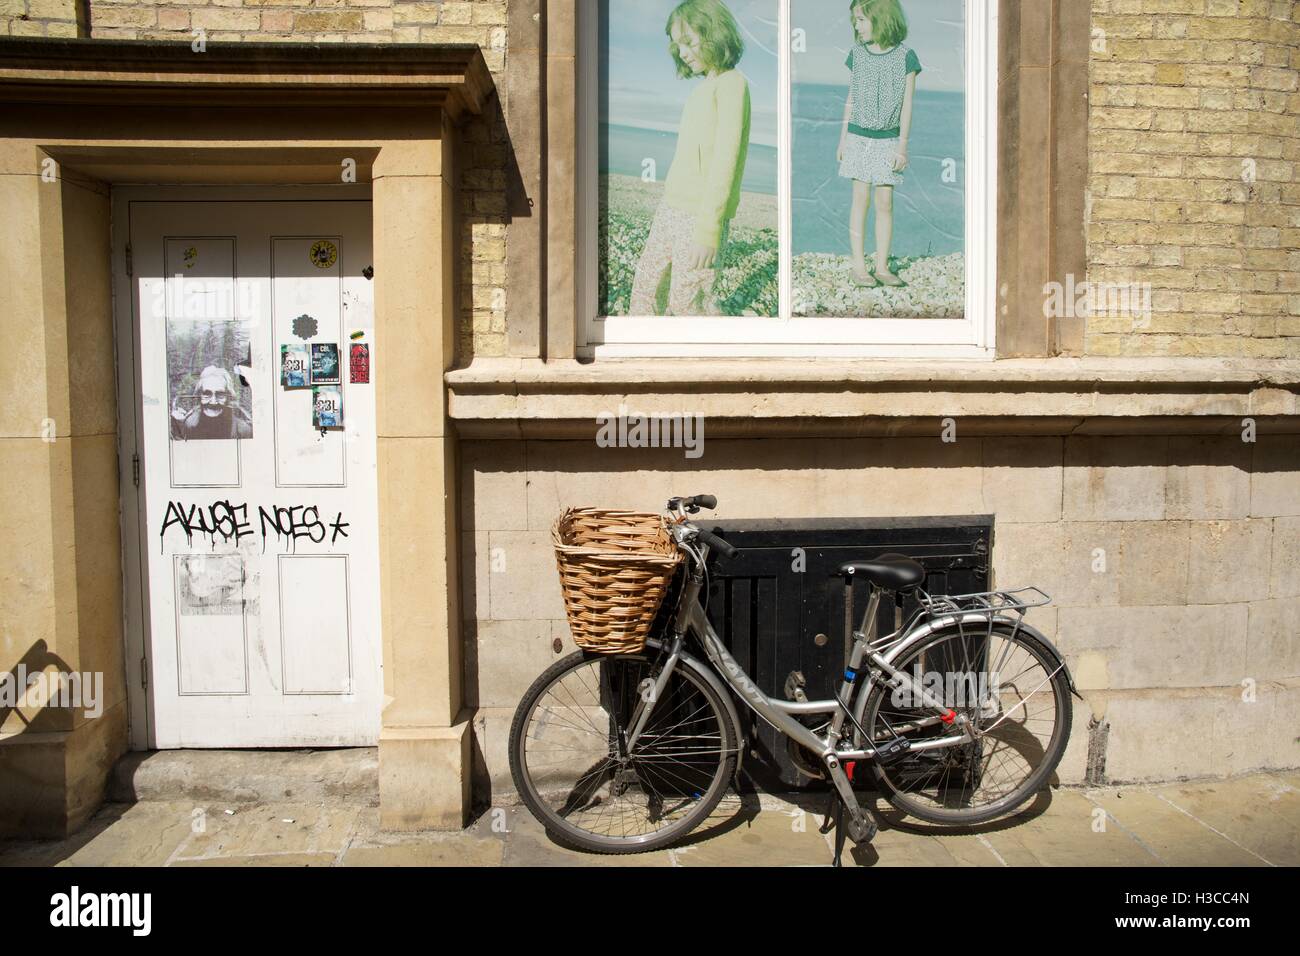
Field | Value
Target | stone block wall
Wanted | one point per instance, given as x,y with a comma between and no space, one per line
1173,564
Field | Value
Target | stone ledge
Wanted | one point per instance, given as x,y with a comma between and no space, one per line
626,373
505,398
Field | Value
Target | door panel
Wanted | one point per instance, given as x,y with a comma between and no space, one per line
260,545
314,629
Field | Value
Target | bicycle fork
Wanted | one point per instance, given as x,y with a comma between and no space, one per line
649,692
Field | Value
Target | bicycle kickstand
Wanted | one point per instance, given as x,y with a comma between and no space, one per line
840,835
835,821
832,813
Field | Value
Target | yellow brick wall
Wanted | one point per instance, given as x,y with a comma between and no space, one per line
482,185
1194,143
41,18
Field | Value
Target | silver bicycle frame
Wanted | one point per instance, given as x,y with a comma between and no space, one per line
782,714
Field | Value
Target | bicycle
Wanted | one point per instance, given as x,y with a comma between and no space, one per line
628,753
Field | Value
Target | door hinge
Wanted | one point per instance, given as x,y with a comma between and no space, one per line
130,263
135,468
144,672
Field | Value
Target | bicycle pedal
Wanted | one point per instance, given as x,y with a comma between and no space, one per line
860,829
893,751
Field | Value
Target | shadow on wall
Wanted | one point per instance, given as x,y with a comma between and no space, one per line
31,695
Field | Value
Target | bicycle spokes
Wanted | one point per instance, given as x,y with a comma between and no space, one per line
1004,688
577,757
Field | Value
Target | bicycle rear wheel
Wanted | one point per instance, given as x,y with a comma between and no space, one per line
572,769
1016,694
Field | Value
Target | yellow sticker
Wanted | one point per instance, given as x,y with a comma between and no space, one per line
323,254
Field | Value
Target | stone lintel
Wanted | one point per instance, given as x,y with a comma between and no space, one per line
522,398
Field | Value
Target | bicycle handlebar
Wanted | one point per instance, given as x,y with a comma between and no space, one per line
716,543
693,504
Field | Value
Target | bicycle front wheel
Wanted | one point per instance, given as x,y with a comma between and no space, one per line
573,769
1016,694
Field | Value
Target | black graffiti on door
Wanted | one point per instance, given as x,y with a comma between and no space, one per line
229,522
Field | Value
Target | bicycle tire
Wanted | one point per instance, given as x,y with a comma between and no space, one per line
1031,785
574,837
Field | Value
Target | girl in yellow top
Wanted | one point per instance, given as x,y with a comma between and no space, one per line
877,121
702,190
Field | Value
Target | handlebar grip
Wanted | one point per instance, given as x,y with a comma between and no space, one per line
705,501
717,544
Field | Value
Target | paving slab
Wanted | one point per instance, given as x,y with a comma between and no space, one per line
1072,831
428,852
1174,837
276,829
264,859
990,844
140,834
527,843
750,832
1242,821
977,849
1258,813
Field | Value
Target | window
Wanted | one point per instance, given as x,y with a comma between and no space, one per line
828,193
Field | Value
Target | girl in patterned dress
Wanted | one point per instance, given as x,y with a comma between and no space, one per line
702,191
877,120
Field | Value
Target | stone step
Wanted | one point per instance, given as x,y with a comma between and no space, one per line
345,775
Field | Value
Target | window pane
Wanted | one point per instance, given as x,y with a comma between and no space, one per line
846,188
687,158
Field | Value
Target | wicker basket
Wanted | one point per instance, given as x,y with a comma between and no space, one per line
614,569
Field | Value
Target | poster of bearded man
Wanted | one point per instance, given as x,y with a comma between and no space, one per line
208,381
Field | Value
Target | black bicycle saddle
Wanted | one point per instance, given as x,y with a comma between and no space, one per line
897,572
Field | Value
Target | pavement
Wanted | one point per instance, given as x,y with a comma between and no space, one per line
1252,820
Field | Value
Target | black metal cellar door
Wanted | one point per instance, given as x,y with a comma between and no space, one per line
779,609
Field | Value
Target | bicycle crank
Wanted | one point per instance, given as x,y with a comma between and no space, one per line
844,814
847,822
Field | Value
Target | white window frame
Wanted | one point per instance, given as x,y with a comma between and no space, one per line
649,336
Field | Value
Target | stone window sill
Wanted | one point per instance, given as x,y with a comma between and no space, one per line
528,397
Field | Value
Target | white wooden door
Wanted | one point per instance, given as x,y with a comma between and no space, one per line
259,542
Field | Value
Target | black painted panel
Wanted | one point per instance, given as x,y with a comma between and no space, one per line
771,602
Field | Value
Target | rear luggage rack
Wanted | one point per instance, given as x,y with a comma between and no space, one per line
1008,606
1016,601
